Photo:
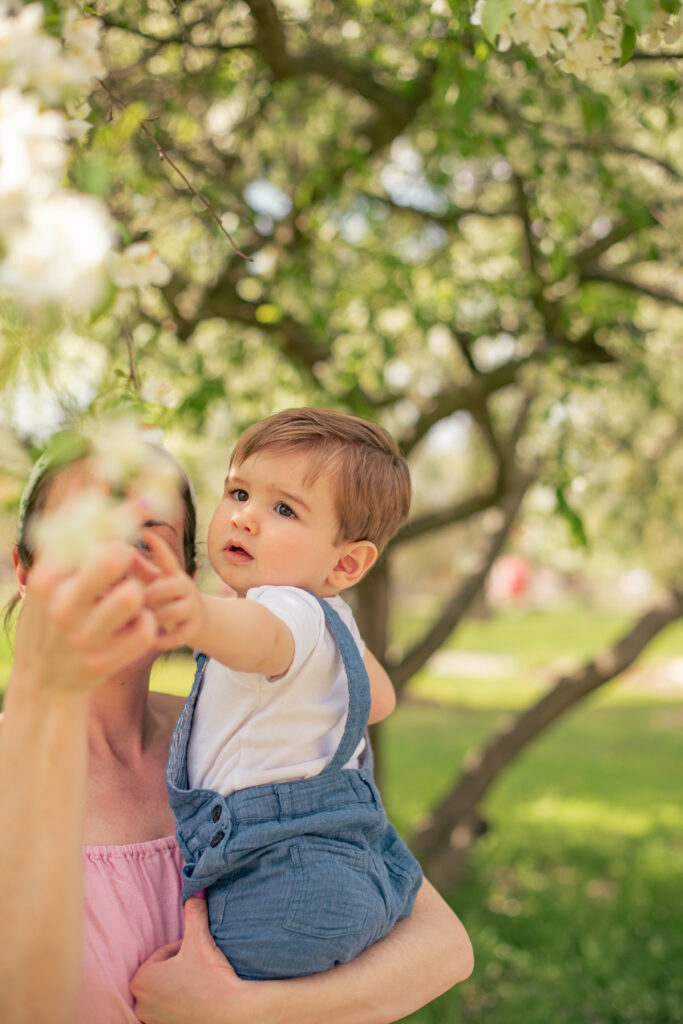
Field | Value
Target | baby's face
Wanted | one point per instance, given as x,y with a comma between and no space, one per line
273,526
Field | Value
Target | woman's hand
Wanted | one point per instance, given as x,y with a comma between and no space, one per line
191,982
77,629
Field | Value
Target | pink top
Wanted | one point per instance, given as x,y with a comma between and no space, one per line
132,906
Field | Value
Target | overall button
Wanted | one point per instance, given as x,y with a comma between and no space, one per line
216,813
217,838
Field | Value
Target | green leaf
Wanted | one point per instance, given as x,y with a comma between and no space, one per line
571,517
639,12
198,401
671,6
595,111
628,44
595,10
494,15
93,174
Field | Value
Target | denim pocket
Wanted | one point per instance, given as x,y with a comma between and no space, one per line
333,892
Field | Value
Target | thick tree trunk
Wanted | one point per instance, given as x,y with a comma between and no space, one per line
442,842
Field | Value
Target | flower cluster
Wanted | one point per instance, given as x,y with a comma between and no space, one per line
563,29
134,479
57,245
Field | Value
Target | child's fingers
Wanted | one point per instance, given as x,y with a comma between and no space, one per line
170,617
163,556
164,590
167,641
144,568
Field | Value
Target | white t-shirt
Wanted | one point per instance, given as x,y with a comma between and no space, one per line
249,729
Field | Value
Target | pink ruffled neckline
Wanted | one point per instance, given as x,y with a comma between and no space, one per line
131,850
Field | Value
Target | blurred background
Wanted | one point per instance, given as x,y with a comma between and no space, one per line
479,248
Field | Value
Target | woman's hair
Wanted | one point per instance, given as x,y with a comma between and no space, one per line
35,498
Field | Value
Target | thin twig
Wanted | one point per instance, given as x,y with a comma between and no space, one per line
163,156
132,374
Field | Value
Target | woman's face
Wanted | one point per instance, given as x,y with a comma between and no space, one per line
80,475
168,524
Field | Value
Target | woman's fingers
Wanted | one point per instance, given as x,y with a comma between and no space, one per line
197,940
77,593
100,610
129,644
164,952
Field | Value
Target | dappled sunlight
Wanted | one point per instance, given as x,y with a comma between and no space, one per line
595,815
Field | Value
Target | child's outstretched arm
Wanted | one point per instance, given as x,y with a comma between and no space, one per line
382,691
241,634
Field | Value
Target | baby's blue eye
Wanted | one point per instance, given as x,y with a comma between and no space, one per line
239,494
284,510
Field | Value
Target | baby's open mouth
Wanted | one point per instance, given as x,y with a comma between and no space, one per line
236,551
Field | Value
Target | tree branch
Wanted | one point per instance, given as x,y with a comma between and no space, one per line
641,55
585,257
456,513
163,156
468,397
603,145
401,672
179,37
449,218
316,60
606,277
439,842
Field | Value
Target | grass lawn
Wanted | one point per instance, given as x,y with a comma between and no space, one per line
572,899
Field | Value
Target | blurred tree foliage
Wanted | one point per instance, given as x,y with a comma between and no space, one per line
475,249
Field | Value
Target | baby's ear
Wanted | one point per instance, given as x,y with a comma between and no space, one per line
356,558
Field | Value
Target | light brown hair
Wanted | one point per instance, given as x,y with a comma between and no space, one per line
370,478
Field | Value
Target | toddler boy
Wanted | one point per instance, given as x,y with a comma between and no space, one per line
269,777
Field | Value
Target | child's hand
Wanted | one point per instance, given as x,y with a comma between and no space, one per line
173,598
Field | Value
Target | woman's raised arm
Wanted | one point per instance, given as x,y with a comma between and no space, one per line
192,983
73,631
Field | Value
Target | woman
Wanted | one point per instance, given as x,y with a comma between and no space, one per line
82,757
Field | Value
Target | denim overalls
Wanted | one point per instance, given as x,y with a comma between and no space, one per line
300,875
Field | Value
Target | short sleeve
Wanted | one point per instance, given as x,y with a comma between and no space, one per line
302,615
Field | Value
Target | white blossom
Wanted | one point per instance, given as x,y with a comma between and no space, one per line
134,479
27,53
560,28
32,59
128,457
71,533
59,254
139,265
82,43
118,449
32,153
157,483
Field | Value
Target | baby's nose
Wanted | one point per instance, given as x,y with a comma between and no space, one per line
244,520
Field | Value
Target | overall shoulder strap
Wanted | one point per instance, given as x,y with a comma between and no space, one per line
358,685
176,767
